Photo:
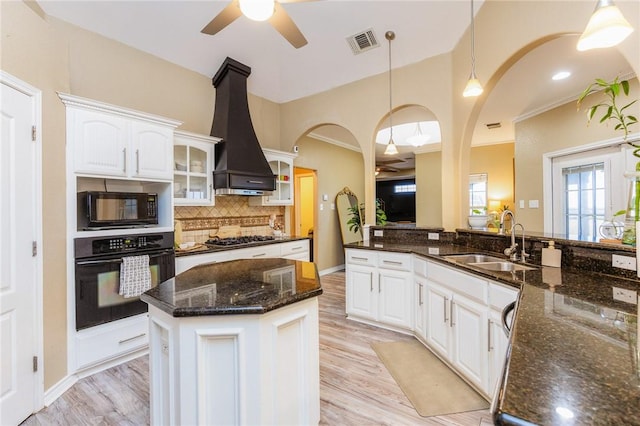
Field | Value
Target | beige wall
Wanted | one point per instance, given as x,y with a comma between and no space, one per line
497,162
429,201
336,168
561,128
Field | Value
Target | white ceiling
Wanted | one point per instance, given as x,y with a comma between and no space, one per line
170,29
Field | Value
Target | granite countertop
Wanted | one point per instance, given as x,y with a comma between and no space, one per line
573,355
246,286
201,249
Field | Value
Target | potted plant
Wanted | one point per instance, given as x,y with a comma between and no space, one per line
619,115
478,218
356,213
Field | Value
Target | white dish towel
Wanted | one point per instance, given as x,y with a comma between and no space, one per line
135,276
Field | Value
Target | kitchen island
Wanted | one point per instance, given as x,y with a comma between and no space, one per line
236,343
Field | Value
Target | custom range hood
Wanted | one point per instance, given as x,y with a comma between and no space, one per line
241,168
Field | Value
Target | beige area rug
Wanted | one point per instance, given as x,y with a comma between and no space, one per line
430,385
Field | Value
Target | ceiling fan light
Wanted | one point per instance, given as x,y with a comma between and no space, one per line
606,28
473,88
257,10
391,149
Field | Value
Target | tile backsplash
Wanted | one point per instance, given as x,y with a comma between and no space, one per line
198,222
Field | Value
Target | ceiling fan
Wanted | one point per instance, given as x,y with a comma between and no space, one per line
260,10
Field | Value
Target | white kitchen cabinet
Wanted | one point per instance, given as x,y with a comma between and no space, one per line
193,157
438,319
420,308
360,295
420,298
116,142
281,164
296,250
469,342
379,288
460,300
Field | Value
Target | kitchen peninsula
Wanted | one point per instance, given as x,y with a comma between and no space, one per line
236,343
573,353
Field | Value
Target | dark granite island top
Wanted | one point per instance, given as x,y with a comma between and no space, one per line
571,361
253,286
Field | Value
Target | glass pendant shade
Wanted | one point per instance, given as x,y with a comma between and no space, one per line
391,148
257,10
606,28
473,88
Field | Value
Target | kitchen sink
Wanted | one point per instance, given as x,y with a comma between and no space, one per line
502,266
488,262
473,258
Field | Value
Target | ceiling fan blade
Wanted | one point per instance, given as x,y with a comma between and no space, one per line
224,18
283,23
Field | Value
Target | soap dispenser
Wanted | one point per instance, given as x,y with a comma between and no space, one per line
551,256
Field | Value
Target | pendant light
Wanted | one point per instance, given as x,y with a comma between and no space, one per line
418,138
606,28
391,146
257,10
473,88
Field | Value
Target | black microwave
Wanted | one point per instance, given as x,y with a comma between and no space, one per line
116,209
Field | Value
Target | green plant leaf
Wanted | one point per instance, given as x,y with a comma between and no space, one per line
625,87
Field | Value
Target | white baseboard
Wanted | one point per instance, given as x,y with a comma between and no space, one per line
331,270
56,391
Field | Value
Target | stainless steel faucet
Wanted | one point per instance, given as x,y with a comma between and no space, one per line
512,251
502,216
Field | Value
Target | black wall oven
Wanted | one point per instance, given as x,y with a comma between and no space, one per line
97,269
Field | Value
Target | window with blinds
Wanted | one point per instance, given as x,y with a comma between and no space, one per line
584,200
477,192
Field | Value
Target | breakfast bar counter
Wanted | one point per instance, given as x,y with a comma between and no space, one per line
236,343
573,356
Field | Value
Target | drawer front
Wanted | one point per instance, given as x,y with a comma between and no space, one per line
361,257
260,252
187,262
460,282
98,344
294,248
501,295
420,266
397,261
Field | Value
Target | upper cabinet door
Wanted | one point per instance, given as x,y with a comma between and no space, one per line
109,141
99,142
151,151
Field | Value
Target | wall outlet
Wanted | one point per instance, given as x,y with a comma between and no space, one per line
624,295
624,262
433,236
377,232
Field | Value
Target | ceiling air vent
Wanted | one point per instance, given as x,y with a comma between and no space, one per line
493,125
362,41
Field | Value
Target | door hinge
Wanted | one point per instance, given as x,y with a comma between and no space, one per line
35,364
34,133
34,248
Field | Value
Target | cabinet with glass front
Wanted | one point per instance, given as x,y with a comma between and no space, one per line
193,157
281,164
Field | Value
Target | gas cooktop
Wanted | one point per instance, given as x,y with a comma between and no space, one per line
232,241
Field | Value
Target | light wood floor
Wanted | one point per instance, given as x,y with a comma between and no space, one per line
355,387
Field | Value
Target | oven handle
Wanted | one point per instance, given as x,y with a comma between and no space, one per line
118,260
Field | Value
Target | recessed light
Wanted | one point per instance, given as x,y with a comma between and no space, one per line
561,75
